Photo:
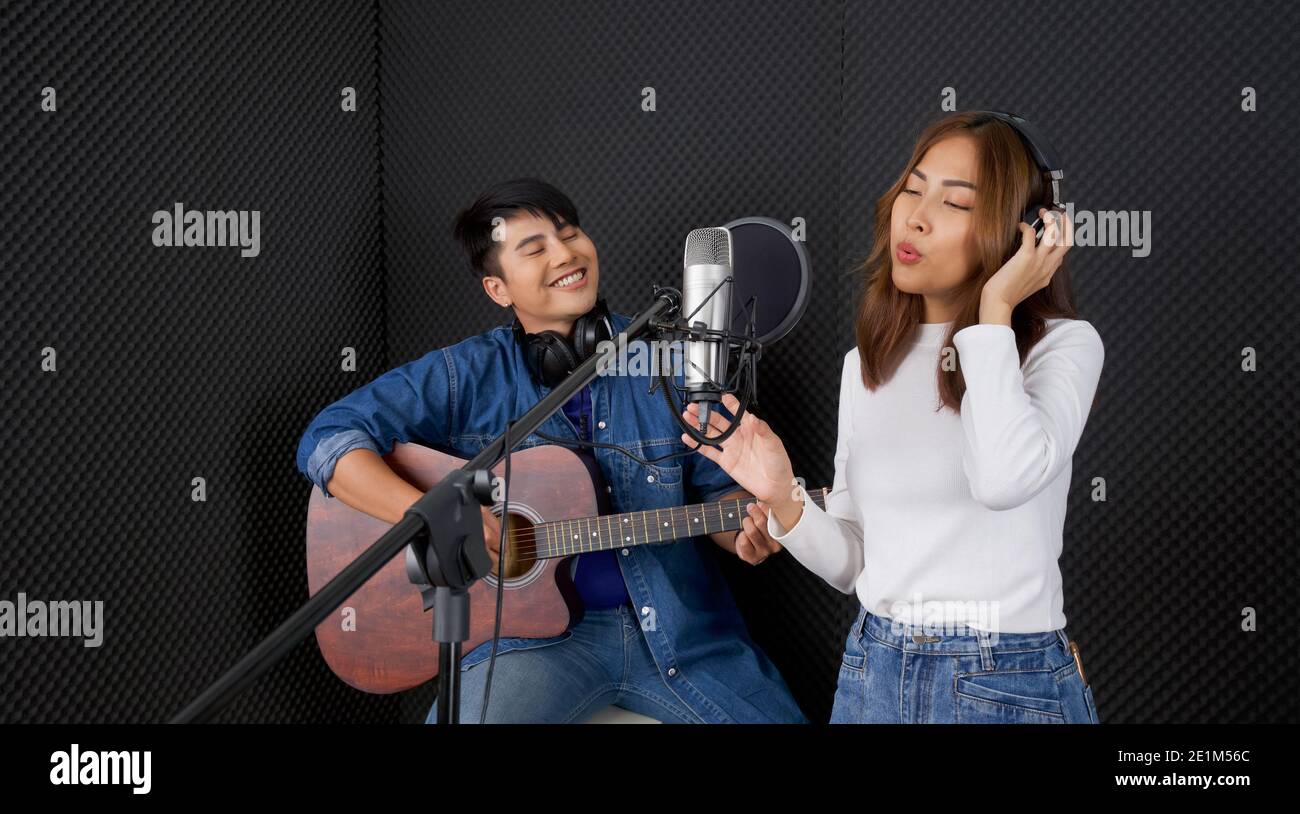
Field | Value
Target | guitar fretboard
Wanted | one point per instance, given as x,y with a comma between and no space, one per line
561,538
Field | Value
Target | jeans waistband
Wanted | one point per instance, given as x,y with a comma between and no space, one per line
917,638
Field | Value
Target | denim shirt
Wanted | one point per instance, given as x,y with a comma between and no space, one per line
462,395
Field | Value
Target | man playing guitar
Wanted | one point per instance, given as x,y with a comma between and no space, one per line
659,632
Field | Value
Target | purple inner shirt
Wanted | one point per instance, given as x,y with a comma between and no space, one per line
598,580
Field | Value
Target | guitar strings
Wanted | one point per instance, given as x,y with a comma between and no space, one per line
530,535
526,535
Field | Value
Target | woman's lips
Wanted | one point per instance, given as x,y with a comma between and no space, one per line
907,253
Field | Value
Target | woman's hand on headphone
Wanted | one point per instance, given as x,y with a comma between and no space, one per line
753,455
1029,270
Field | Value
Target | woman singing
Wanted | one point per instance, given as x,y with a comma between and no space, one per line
959,411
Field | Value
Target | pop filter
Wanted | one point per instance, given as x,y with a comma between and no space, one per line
771,265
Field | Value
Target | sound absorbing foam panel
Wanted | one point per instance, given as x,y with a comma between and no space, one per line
176,363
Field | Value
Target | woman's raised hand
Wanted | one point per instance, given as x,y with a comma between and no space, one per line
1030,269
753,455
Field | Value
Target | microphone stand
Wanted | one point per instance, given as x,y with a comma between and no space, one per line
444,531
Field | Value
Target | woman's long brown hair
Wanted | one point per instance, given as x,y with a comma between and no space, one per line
1008,181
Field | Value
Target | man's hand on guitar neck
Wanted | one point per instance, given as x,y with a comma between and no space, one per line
752,543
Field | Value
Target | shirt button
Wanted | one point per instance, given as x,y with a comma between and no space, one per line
672,671
650,478
609,489
625,552
601,425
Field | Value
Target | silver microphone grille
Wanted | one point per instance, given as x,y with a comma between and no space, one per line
710,246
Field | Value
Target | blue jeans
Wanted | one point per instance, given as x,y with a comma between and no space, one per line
606,661
908,675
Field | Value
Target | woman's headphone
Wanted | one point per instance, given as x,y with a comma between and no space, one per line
1046,159
551,356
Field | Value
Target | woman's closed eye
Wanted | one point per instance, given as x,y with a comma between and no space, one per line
917,193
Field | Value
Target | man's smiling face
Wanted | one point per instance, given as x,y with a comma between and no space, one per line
549,273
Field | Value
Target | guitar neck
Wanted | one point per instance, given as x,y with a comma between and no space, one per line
562,538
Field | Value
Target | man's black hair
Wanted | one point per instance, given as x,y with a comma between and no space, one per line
473,226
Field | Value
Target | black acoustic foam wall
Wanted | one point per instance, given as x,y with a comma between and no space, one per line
177,363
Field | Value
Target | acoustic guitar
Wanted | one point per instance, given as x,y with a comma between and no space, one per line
381,639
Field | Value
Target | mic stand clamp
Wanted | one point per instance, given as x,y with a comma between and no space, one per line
446,558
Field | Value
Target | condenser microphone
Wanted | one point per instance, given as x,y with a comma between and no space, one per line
706,303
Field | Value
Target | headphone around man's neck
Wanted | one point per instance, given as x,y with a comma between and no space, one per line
551,356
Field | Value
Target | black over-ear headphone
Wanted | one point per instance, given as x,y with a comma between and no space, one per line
1046,159
551,356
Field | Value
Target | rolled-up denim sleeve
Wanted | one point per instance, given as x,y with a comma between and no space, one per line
413,402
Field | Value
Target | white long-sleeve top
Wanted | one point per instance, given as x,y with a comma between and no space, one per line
939,518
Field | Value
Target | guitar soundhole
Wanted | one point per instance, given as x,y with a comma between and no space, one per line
522,544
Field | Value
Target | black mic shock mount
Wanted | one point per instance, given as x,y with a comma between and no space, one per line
744,379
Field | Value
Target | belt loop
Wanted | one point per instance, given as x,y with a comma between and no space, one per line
986,650
1063,639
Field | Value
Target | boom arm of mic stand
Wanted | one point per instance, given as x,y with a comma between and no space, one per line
441,497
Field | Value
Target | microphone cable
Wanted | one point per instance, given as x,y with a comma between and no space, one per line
502,548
